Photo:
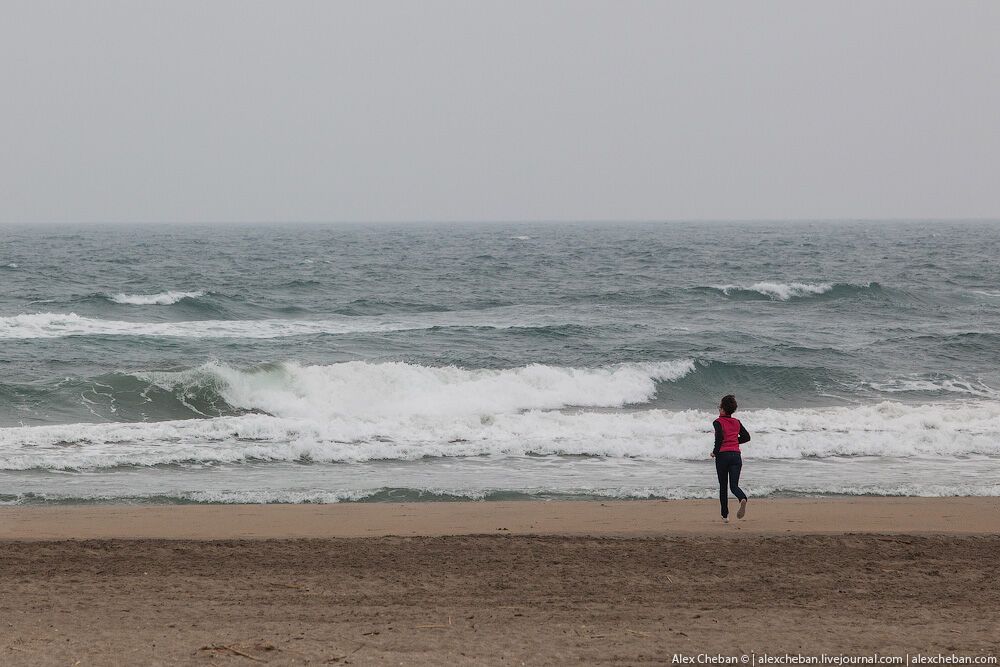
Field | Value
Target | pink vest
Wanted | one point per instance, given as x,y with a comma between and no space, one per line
730,434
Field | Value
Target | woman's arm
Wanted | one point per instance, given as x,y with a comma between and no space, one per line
718,436
744,435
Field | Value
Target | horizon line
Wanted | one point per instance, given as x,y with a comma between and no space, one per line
539,221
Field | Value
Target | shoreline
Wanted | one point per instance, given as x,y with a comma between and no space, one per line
628,518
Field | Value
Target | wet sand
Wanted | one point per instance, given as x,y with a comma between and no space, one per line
496,583
621,519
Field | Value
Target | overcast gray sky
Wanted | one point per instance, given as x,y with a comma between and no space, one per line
426,110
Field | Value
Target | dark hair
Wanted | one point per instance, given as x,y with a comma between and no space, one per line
728,404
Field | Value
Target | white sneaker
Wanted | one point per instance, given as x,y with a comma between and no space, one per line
725,519
743,510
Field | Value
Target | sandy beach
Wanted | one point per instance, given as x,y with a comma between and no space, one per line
427,333
496,583
953,516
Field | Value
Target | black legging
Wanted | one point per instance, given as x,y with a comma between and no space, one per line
729,465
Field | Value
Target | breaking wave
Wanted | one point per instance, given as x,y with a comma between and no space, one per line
59,325
167,298
776,291
360,389
478,428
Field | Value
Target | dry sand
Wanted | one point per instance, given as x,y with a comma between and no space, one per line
496,583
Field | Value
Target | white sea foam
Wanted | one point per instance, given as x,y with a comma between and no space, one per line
784,291
886,429
167,298
948,385
58,325
779,291
361,390
242,497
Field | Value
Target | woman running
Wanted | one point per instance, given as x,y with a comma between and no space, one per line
729,435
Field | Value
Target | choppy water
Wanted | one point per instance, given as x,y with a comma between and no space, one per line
326,363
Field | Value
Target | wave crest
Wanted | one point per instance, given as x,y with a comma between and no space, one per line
360,389
59,325
776,291
167,298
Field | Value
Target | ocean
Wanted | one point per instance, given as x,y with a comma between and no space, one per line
331,363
